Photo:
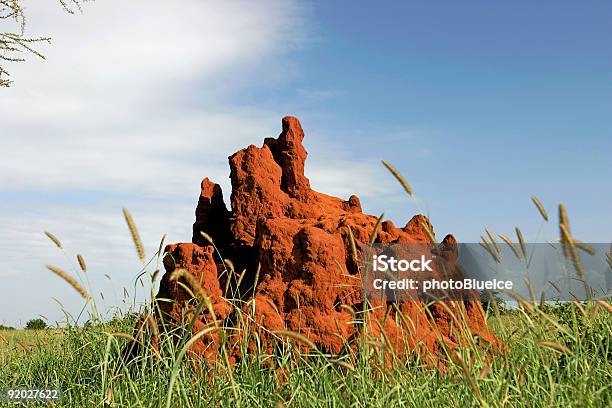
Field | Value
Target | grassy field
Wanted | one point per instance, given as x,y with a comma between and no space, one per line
556,358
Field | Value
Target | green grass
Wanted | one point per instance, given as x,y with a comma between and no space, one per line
86,364
15,341
554,357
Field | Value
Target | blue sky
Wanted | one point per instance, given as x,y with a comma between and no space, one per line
478,104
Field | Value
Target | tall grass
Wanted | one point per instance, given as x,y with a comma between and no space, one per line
553,357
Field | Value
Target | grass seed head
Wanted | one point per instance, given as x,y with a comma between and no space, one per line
540,207
555,346
375,230
207,237
398,177
70,280
493,240
519,236
54,239
509,242
135,236
82,263
604,305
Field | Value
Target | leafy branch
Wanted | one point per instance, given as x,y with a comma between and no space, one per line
15,44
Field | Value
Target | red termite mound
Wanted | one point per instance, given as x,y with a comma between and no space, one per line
301,271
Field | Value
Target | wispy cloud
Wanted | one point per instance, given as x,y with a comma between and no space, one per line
108,108
129,109
136,103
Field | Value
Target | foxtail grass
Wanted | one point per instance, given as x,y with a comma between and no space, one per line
540,207
82,263
135,236
510,244
70,280
53,238
398,177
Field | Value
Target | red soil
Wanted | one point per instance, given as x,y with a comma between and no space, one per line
299,240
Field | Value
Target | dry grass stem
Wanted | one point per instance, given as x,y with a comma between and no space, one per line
196,287
82,263
519,236
296,336
207,237
485,244
532,293
398,176
344,364
493,240
54,239
579,307
375,230
70,280
563,222
193,283
555,346
161,245
429,232
604,305
256,277
154,275
568,241
509,242
353,246
229,264
540,207
135,236
584,247
241,277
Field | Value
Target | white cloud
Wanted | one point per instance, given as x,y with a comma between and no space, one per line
129,109
104,111
136,102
